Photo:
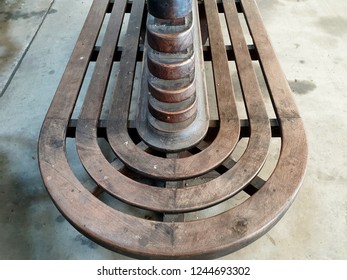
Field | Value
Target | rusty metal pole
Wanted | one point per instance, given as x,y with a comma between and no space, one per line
170,57
171,78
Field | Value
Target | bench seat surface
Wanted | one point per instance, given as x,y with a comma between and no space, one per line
173,186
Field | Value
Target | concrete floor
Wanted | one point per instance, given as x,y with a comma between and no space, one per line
36,41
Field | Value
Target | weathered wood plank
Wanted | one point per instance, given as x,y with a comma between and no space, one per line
273,73
70,84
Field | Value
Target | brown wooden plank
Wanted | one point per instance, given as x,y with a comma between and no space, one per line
273,73
70,84
93,101
249,83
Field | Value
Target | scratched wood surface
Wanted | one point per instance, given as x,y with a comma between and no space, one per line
173,185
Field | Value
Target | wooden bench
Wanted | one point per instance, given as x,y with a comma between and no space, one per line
153,192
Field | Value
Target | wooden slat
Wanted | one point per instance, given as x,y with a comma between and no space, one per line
273,73
70,84
93,101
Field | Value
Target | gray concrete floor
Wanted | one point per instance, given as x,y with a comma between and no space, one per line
36,41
